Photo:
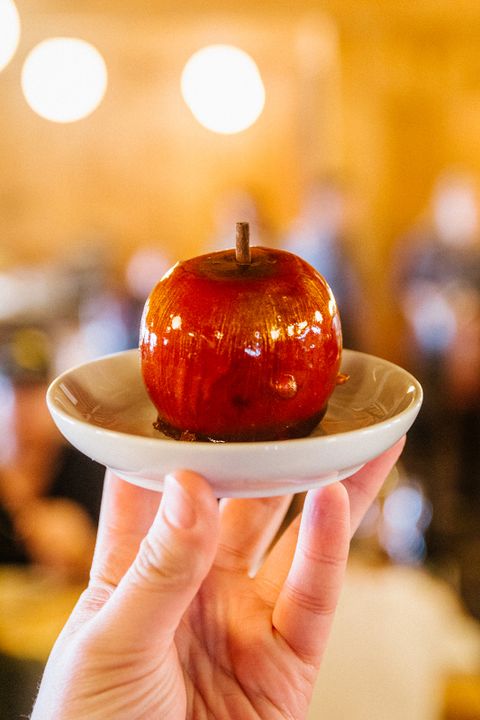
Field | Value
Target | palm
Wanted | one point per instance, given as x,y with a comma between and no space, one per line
244,668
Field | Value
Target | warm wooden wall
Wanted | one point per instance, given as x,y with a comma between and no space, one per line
393,98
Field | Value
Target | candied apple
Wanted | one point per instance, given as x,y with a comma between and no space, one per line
240,345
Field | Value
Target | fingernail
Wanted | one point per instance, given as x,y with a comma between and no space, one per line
178,508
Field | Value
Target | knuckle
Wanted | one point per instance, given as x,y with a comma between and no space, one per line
158,564
96,596
335,561
316,604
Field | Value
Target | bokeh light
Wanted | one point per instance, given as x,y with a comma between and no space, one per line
9,31
406,515
222,86
64,79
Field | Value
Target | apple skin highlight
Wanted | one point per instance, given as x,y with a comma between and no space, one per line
235,352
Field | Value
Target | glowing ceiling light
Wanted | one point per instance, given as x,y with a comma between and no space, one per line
64,79
222,86
9,31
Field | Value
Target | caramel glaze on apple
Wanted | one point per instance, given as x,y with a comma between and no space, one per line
235,352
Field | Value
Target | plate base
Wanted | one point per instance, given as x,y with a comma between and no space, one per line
284,487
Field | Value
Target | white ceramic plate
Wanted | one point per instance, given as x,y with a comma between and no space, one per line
102,408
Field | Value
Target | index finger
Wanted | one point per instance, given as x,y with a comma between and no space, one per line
126,515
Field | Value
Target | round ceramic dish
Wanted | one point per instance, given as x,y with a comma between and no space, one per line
102,408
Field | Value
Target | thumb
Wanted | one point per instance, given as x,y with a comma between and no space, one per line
173,559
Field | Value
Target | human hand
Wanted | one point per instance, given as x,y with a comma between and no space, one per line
173,625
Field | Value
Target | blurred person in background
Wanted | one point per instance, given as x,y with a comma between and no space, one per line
49,492
320,234
437,282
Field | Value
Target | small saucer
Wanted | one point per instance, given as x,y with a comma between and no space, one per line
103,409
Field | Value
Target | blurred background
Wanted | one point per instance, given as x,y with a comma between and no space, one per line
135,134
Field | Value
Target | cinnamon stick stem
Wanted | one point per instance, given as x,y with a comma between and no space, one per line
242,249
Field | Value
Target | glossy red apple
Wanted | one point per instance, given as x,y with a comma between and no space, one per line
239,346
